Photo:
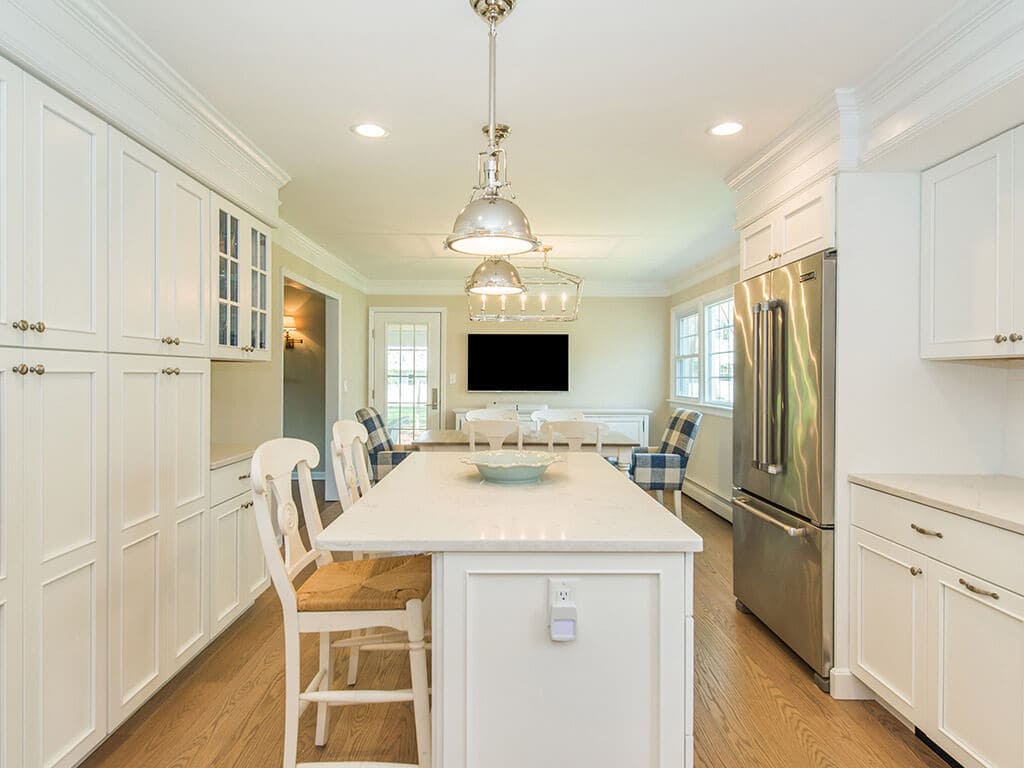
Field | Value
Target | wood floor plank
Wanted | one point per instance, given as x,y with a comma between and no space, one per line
755,704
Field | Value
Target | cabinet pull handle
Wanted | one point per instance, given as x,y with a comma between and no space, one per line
246,505
39,327
978,590
246,476
926,531
22,369
1016,337
915,571
21,325
37,369
999,338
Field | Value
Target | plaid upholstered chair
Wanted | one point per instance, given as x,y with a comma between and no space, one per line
664,469
384,454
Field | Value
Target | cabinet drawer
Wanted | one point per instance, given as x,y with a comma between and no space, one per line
990,552
229,481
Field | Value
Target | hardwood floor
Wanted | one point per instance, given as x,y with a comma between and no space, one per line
755,704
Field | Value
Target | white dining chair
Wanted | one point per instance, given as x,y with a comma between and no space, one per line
492,414
349,460
575,433
345,596
543,415
494,432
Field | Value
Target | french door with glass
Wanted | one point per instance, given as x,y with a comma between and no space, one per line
406,374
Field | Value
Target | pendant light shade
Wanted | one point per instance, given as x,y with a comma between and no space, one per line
495,277
491,226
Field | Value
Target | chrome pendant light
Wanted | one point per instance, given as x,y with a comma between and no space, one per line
491,224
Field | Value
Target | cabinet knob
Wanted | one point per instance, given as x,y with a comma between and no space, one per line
165,340
1016,337
22,369
167,371
999,338
21,325
177,371
915,571
37,369
38,327
176,341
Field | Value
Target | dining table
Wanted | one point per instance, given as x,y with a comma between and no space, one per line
561,611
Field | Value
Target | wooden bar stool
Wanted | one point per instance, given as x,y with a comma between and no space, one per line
339,597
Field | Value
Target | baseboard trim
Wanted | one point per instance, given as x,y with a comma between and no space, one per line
847,687
317,475
710,499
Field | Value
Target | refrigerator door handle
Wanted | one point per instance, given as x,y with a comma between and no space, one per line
755,460
773,442
789,530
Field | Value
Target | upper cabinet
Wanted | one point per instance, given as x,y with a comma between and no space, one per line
12,295
64,267
159,255
971,255
803,224
241,295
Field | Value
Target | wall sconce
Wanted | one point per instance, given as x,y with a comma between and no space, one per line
289,326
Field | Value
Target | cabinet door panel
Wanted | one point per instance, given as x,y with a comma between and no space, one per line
259,292
1016,267
230,321
190,547
137,178
225,563
188,249
12,509
976,670
12,287
966,242
65,556
757,244
807,222
66,221
254,565
888,621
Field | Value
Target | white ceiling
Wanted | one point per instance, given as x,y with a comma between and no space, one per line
608,102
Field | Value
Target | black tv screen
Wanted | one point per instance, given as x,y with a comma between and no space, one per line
518,362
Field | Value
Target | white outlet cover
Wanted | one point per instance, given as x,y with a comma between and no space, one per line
451,378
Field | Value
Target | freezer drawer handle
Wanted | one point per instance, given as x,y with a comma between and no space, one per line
789,530
926,531
978,590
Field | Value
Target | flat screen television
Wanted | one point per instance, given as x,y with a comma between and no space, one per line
518,362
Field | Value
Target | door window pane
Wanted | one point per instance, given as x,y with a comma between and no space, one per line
407,396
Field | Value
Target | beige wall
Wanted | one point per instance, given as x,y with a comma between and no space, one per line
616,348
247,397
710,467
305,368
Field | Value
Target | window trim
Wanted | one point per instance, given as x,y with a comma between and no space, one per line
698,305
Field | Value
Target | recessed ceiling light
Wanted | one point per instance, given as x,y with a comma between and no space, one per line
726,129
370,130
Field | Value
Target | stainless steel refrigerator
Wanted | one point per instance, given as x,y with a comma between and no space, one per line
783,454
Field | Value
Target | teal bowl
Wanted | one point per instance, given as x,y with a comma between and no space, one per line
511,467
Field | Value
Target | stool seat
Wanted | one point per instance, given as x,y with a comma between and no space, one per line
373,584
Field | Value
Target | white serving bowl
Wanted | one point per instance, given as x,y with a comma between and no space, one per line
511,467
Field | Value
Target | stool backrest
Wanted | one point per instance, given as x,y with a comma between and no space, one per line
492,414
494,432
348,457
575,433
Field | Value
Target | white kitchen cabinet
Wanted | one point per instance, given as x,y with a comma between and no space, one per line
976,651
65,213
802,225
242,287
12,294
253,571
159,263
63,509
968,254
159,482
888,599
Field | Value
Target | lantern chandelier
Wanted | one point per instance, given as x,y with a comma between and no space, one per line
548,295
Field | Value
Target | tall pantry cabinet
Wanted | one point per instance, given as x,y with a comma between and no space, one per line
106,290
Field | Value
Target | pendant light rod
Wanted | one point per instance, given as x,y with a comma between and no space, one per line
492,86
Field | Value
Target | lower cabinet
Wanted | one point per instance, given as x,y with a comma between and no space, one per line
941,645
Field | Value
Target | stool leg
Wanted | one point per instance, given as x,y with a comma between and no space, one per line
353,660
661,498
678,494
291,695
418,667
322,710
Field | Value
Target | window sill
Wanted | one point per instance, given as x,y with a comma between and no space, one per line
714,410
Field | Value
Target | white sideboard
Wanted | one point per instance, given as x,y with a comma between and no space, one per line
634,423
937,608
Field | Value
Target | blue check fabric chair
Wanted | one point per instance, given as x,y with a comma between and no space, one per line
664,469
384,454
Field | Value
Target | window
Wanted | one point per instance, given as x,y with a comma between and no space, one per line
718,333
703,344
688,356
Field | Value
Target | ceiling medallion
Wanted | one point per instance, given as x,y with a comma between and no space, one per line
548,294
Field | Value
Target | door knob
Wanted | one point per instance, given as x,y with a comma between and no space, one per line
1016,337
37,369
39,327
999,338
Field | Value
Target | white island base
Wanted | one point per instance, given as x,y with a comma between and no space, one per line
505,693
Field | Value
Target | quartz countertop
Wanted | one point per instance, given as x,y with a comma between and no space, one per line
222,454
432,502
458,437
996,500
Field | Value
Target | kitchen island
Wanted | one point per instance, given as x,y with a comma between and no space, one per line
562,612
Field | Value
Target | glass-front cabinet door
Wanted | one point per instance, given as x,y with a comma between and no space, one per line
241,309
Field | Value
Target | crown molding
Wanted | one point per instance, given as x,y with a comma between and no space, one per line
591,288
85,51
724,262
299,243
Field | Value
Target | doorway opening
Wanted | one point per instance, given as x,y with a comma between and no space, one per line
311,371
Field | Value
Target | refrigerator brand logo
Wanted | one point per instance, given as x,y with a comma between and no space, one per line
808,276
